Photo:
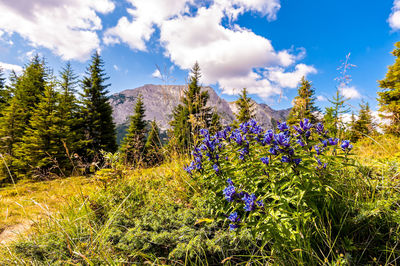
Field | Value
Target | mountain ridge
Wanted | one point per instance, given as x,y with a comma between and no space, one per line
160,100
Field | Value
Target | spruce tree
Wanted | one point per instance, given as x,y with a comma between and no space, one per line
245,107
363,125
153,145
191,114
27,90
389,96
41,151
304,104
132,147
70,112
97,111
5,94
215,124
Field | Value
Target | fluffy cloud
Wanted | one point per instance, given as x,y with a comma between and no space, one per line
394,18
66,27
156,74
10,67
321,98
146,14
231,56
290,79
350,92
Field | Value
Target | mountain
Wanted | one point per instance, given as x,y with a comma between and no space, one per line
160,100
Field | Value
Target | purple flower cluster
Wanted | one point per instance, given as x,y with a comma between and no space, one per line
346,146
286,146
235,220
250,202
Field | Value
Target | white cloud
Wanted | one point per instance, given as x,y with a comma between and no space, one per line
66,27
394,18
156,74
290,79
116,68
146,14
10,67
350,92
231,56
321,98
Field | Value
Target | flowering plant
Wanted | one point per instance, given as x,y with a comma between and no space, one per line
270,182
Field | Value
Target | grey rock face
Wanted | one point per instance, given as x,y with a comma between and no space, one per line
160,100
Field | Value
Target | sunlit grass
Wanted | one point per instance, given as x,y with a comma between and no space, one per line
28,202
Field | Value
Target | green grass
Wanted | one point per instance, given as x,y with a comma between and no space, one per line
160,216
31,201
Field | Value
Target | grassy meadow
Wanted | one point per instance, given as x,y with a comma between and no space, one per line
161,215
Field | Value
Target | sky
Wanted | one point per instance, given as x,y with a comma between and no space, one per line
265,46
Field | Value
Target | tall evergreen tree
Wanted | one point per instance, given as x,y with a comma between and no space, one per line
304,104
5,94
132,147
97,111
215,124
389,96
245,107
41,151
153,145
27,91
191,114
70,112
363,125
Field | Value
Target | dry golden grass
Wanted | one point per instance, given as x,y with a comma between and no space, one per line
28,202
371,149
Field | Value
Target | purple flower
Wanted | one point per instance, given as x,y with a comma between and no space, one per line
216,168
320,129
230,182
265,160
249,202
332,141
282,139
204,132
346,146
234,217
299,130
324,142
283,126
260,203
268,137
285,159
297,161
273,150
318,149
305,124
233,227
229,192
301,143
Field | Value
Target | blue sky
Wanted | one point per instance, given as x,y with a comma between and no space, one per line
264,45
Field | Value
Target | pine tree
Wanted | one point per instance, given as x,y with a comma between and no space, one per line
304,104
389,96
153,145
132,147
191,114
5,94
363,125
70,112
27,91
245,107
215,124
41,151
97,111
